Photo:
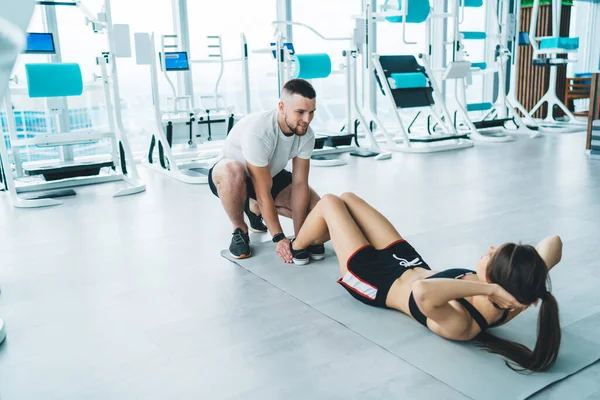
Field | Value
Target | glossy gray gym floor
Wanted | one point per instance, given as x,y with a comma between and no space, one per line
128,298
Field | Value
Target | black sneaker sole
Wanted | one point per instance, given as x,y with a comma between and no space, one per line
254,230
317,257
250,228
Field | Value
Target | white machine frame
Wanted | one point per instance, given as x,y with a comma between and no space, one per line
116,133
219,59
188,165
496,56
511,34
373,65
549,124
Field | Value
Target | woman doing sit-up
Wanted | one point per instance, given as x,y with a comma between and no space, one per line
379,268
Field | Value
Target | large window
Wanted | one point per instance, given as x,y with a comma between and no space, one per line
229,20
35,25
134,80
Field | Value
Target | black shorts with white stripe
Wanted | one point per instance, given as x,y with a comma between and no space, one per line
372,272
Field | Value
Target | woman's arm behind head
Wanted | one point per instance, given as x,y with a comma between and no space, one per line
550,249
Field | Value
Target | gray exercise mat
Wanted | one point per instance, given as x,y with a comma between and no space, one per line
473,372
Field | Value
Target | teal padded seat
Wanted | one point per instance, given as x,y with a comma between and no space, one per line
479,106
565,43
408,80
469,35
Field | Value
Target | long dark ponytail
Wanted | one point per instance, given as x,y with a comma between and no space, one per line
522,272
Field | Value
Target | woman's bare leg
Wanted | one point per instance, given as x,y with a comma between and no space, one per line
378,230
283,201
331,218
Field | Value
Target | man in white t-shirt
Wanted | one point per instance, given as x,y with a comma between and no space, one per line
250,176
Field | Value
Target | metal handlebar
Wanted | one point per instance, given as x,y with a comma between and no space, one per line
311,29
404,15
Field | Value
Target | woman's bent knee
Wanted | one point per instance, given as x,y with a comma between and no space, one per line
348,196
329,197
331,200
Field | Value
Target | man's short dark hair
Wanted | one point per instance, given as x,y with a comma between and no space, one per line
301,87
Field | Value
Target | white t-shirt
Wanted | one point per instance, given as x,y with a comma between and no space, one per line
258,139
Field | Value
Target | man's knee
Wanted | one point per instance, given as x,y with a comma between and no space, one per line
314,199
230,172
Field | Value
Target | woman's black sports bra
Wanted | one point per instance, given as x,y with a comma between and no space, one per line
454,273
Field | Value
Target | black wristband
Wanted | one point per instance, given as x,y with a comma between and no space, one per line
279,237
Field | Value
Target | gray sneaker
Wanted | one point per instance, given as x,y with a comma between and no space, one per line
240,244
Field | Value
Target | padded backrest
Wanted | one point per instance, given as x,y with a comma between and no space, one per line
418,11
54,80
399,64
406,97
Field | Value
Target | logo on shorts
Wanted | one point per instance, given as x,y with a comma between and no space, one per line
408,264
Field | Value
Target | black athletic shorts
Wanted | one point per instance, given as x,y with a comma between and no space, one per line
372,272
280,181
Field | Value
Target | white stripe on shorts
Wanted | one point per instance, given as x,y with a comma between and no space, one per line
358,285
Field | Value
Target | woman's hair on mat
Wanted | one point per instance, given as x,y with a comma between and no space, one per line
301,87
522,272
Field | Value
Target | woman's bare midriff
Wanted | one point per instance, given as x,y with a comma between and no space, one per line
401,288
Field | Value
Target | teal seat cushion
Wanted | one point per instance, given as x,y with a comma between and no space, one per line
469,35
479,106
408,80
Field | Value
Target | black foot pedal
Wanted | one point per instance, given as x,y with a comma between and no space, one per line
52,194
